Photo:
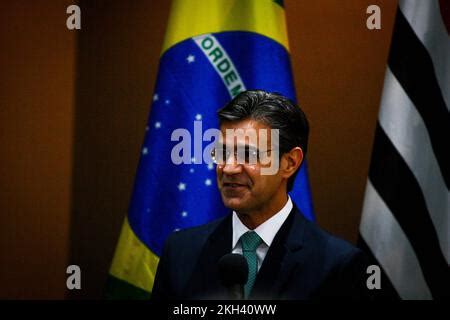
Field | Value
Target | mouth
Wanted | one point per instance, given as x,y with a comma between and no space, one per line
234,185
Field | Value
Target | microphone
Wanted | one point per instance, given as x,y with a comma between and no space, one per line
233,274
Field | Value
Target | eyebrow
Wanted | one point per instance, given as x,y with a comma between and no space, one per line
247,146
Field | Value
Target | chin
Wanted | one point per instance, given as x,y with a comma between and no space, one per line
234,203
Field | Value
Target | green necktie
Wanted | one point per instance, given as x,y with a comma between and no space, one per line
250,241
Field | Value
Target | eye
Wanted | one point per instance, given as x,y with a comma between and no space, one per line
219,154
225,154
251,155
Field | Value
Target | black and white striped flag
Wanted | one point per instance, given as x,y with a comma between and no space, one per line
406,215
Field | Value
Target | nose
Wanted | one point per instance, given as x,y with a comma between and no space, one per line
231,167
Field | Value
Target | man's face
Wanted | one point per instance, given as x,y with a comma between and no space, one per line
242,186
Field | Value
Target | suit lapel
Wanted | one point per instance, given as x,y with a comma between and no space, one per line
205,283
281,259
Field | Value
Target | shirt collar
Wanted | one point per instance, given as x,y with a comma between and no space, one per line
266,230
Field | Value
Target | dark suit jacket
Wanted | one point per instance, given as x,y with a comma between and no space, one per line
303,262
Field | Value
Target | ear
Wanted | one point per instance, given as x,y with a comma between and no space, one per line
293,160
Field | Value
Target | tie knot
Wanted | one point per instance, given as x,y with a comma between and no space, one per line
250,241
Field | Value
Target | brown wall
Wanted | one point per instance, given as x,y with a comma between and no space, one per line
74,106
37,63
118,54
339,70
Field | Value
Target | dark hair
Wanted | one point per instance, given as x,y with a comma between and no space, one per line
273,110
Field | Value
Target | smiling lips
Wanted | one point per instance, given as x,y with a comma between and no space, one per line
234,184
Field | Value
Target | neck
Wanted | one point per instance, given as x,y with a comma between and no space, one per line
255,217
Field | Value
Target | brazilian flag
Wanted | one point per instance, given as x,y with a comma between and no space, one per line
213,50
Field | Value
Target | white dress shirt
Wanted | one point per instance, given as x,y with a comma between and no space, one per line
266,231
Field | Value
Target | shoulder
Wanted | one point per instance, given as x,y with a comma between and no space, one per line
323,248
181,251
193,238
335,244
338,267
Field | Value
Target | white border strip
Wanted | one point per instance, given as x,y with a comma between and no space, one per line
391,248
221,62
405,128
424,16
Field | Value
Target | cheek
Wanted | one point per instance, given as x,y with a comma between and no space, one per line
252,170
219,171
253,173
269,183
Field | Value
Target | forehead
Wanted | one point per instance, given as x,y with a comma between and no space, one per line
248,129
244,124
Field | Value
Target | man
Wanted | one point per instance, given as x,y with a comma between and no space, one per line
288,256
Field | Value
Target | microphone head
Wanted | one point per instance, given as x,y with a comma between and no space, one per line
233,270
